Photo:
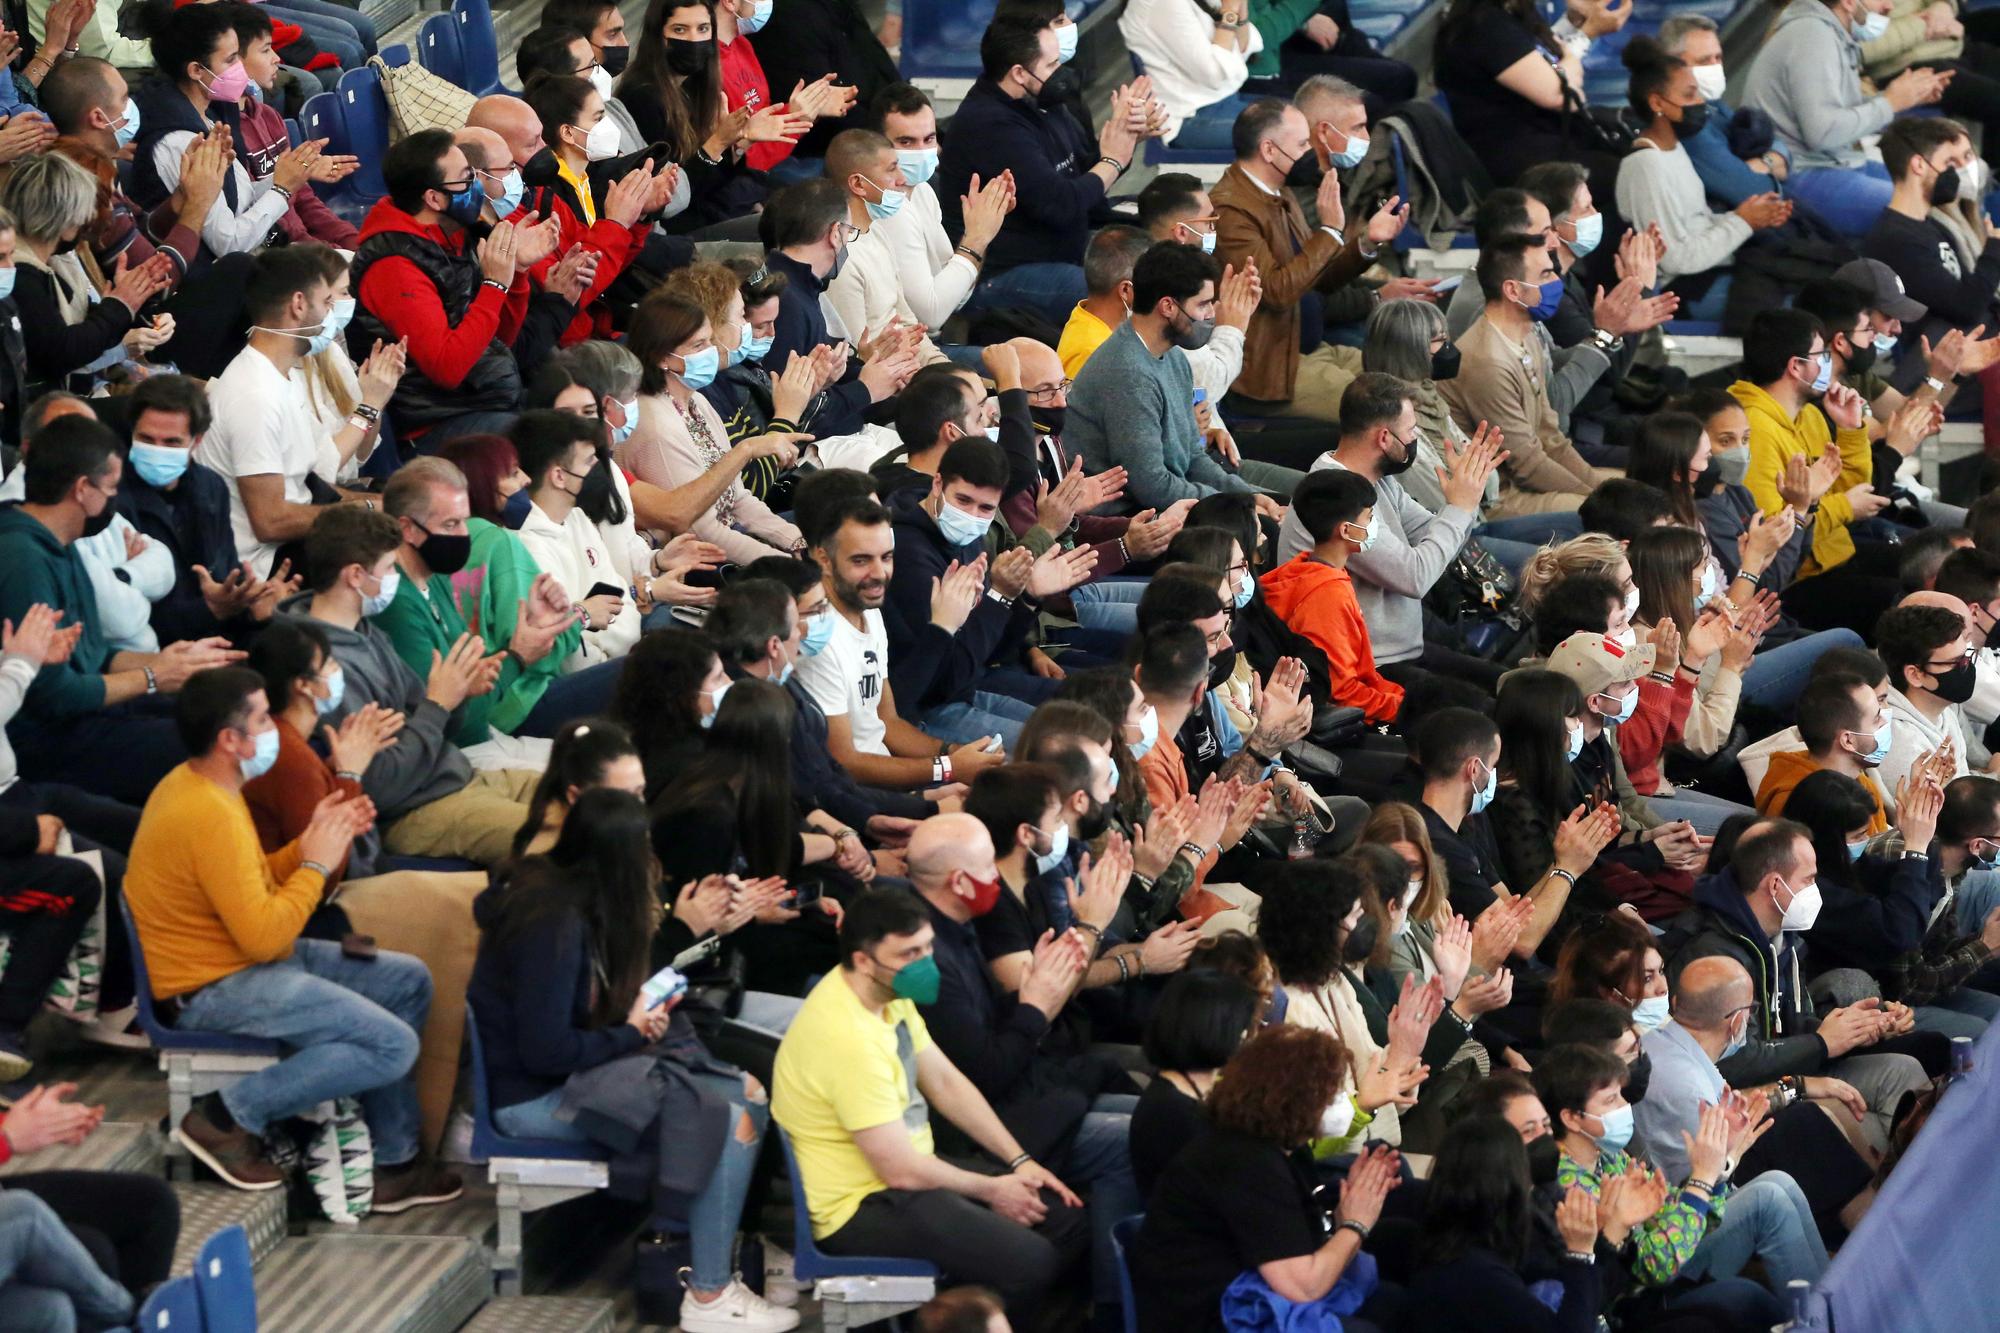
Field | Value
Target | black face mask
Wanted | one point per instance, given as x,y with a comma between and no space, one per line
99,521
1954,686
614,59
446,553
1859,359
687,58
1306,173
1392,467
1058,88
1444,362
1638,1078
1705,484
1220,669
597,494
541,169
1693,120
1092,825
1543,1160
1048,420
1361,941
1946,189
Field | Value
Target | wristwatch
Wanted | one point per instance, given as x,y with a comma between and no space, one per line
1605,341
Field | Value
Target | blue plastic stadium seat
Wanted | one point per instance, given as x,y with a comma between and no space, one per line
438,50
169,1039
809,1262
1695,328
174,1307
365,112
227,1287
487,1140
479,47
395,57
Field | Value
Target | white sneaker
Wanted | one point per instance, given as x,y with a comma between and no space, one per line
119,1028
737,1310
781,1284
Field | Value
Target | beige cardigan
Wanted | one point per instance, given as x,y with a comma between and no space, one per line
663,452
1333,1008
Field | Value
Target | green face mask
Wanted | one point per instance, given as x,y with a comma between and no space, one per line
918,981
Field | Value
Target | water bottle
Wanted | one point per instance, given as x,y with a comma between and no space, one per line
1303,838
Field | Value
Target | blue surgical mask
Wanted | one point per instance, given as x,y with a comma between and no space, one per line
1066,37
6,282
1884,736
754,348
1824,379
1575,742
510,199
158,465
1058,849
1871,26
819,632
378,603
341,315
1369,533
783,675
1149,733
1649,1013
698,371
1205,239
258,764
515,512
918,164
1551,297
1857,850
1617,1129
620,434
336,690
1355,147
1484,796
761,15
960,528
1626,707
1737,1042
714,704
890,204
129,129
1885,343
1589,231
1245,593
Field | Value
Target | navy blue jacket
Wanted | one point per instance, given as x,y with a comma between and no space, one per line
192,522
821,784
800,327
1050,156
927,666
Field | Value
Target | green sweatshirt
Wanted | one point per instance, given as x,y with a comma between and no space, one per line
484,598
1275,21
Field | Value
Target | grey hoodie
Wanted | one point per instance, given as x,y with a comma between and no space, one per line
422,766
1807,79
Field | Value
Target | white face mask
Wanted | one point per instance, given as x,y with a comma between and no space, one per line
1632,601
1709,81
1803,910
602,141
600,79
1337,1119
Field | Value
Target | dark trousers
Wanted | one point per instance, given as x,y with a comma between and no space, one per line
207,308
585,693
970,1243
1851,595
44,908
96,824
1456,678
121,752
128,1222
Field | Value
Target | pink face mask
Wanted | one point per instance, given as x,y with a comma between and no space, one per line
231,84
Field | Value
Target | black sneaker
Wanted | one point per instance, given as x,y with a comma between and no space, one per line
398,1190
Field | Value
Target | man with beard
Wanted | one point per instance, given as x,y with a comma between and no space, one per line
1132,405
849,677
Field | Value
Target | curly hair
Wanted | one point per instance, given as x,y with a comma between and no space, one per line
1235,954
709,285
1392,822
1604,959
1299,924
1592,553
1278,1085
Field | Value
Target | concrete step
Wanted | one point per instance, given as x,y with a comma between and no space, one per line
371,1284
543,1314
117,1145
207,1209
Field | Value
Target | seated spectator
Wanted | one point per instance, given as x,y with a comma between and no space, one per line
1409,548
558,451
557,992
1107,275
819,36
263,141
1480,1217
1200,1022
1060,178
265,438
1315,596
1895,424
1302,43
1728,177
1260,225
423,788
1243,1198
744,86
1130,407
556,50
219,920
1845,728
334,392
1176,207
1762,927
1932,672
867,293
1503,379
850,677
1197,61
1920,36
1612,958
1661,188
49,200
851,1068
937,275
606,55
809,233
750,399
459,313
1787,368
1890,308
944,404
463,575
1806,78
680,441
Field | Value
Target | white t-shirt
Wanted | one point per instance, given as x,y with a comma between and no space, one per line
845,678
263,425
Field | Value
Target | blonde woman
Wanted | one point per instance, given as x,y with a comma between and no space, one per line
1592,553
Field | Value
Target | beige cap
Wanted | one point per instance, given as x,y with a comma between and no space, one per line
1596,662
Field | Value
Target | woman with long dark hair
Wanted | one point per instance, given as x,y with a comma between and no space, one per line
1540,716
672,680
557,993
1612,958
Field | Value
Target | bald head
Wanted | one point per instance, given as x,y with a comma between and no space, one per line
513,121
1938,599
1710,990
946,853
1041,372
484,149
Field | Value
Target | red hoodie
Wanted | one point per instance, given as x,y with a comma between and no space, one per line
616,246
399,294
744,84
1317,601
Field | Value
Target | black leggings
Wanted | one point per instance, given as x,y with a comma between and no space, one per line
44,908
128,1222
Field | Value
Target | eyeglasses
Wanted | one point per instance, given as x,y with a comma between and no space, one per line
1937,669
1049,391
1219,637
849,232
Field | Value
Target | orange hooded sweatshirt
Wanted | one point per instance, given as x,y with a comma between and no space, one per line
1317,601
1791,767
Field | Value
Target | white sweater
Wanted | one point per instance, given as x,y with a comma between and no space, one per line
1656,185
933,279
869,291
574,554
1175,40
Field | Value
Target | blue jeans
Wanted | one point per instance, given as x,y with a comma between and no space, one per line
794,168
1212,125
1776,675
712,1215
988,714
585,693
1052,289
1698,808
1111,603
1847,201
1978,895
1964,1012
327,11
48,1281
351,1024
1769,1219
1100,1164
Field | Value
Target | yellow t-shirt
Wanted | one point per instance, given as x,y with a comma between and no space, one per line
1084,334
842,1069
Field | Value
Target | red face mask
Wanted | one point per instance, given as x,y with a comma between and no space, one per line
985,894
